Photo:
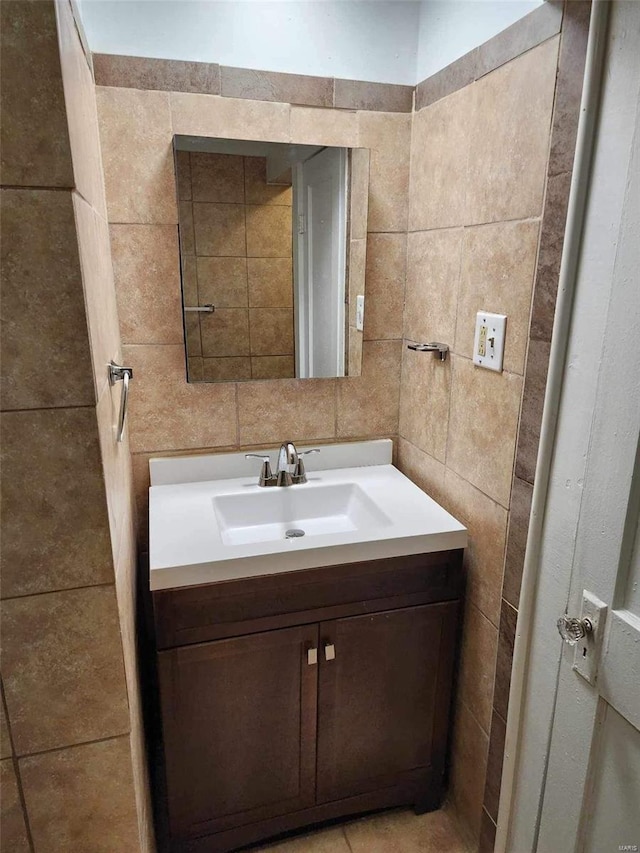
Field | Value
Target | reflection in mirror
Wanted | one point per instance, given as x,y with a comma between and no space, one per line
272,246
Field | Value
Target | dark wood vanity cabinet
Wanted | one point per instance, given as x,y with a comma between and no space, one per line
295,698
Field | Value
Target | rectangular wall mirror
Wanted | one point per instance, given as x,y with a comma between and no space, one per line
272,247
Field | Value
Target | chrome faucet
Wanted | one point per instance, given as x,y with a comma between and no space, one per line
290,470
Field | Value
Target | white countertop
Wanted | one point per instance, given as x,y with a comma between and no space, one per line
188,545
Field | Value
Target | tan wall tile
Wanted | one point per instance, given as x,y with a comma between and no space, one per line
368,404
234,118
498,267
532,408
268,231
425,393
141,483
137,155
439,157
219,229
35,137
62,653
99,291
183,174
468,767
52,483
433,271
225,332
273,367
5,740
305,410
274,86
312,126
363,95
195,368
257,191
192,332
116,464
486,522
231,369
354,361
39,247
14,832
223,282
477,664
146,266
359,193
126,591
185,228
82,798
483,423
82,114
388,135
421,468
271,331
357,250
217,177
385,279
167,412
270,282
510,142
189,280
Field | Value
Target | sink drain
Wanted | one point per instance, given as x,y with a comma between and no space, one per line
294,533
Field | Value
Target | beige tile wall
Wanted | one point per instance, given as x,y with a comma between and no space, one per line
478,168
167,414
72,725
235,235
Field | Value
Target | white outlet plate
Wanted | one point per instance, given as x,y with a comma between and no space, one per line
488,342
360,313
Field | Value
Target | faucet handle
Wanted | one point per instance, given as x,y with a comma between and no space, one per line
300,475
266,474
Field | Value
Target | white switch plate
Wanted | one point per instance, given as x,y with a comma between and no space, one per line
360,313
488,343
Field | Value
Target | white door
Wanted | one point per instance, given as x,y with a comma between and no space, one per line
320,256
577,780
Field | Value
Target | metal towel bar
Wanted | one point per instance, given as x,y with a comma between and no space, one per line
117,373
204,309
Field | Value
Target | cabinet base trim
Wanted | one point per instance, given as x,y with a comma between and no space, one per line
423,797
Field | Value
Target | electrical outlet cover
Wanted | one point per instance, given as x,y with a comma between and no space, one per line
488,343
360,313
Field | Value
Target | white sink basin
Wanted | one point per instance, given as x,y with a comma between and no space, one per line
281,513
208,524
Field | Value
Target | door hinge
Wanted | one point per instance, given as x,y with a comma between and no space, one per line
302,223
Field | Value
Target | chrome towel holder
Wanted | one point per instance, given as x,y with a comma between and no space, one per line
117,373
439,350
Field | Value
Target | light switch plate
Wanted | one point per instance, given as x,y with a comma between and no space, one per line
488,343
360,313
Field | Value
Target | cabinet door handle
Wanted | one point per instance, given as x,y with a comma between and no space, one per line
312,657
329,651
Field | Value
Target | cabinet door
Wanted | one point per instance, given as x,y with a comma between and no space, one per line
239,725
384,695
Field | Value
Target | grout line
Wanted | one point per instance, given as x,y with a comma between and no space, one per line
468,225
126,734
16,769
346,837
55,591
50,409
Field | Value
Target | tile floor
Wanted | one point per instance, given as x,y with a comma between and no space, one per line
397,831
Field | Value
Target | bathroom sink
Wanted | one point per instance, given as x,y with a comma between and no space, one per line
208,524
290,513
